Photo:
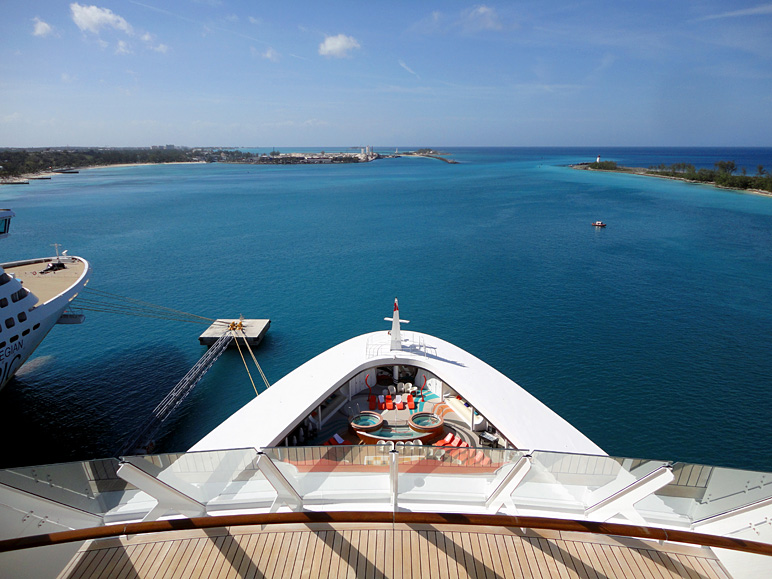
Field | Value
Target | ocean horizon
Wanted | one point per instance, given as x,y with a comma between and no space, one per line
651,336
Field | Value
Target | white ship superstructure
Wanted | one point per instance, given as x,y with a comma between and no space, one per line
34,295
394,453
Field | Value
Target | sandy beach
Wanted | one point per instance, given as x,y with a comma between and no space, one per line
26,177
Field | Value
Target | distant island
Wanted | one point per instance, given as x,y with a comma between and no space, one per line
723,175
19,165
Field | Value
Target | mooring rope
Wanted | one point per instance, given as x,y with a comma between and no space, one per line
235,339
115,304
252,353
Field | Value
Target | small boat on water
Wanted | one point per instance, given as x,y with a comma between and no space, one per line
598,224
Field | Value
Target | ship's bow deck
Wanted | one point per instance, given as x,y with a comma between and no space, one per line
46,286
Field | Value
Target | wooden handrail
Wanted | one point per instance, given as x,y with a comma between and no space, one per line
310,517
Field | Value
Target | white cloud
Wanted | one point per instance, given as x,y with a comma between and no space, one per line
12,118
270,54
149,41
482,18
407,68
41,28
338,46
479,18
93,19
763,9
122,48
253,20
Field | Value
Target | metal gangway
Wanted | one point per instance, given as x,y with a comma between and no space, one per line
143,438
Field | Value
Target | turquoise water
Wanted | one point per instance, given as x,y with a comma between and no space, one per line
426,420
652,336
364,420
397,431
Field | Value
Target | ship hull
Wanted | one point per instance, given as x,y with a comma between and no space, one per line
27,320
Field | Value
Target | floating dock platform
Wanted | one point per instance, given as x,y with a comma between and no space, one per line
254,330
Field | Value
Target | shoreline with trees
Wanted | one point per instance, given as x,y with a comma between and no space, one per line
722,176
18,166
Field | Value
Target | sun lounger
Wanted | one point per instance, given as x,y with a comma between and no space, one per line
398,401
338,438
372,402
389,403
410,402
381,403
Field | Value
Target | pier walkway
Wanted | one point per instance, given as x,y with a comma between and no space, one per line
144,435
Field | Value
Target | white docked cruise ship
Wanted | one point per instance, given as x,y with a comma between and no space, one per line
392,454
34,294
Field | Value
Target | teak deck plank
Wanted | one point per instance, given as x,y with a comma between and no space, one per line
563,558
345,550
501,549
519,562
583,570
407,555
530,558
178,549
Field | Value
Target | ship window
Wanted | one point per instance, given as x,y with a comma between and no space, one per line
10,323
13,339
2,345
4,225
3,302
22,317
36,326
25,332
5,278
19,295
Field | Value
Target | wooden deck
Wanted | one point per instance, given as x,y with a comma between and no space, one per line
384,550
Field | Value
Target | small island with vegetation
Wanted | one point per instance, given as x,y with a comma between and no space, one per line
722,175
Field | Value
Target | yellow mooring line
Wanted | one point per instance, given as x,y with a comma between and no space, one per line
235,338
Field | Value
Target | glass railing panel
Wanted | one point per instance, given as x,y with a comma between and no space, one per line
576,482
90,486
335,474
204,476
712,490
435,475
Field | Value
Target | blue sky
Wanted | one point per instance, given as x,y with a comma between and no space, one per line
265,74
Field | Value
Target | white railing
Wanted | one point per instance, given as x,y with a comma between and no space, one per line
417,478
